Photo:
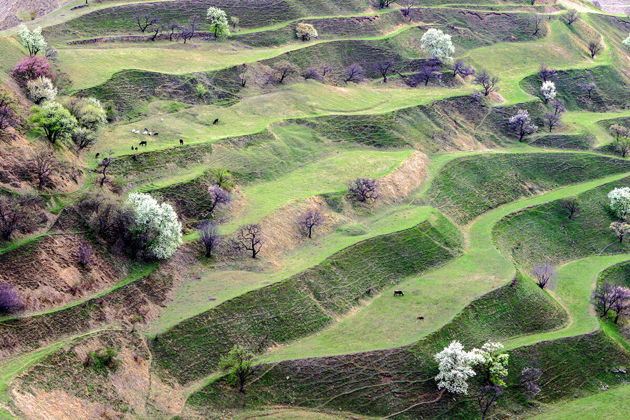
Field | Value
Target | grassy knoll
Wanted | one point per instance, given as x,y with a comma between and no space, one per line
388,381
469,186
545,233
330,174
306,302
438,295
618,274
609,95
611,404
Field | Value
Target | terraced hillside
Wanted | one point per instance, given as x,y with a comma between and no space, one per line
300,209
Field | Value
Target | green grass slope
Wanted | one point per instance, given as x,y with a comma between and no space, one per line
304,303
545,234
384,382
469,186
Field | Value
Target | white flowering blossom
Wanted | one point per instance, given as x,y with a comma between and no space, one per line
494,361
159,218
620,202
456,366
548,90
33,40
438,44
41,89
626,42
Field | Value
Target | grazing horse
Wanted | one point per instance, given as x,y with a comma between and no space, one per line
398,293
215,122
143,143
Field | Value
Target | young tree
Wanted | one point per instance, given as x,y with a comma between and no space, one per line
546,74
10,301
522,124
159,222
595,47
384,68
622,144
219,25
103,167
305,31
156,31
284,69
456,367
571,205
588,87
620,229
619,199
43,165
239,363
544,274
572,16
31,68
487,82
552,119
461,69
146,20
172,28
548,91
41,89
363,190
529,380
537,20
188,32
8,112
438,44
354,73
309,220
53,120
495,363
313,74
487,395
250,238
234,20
218,197
209,236
608,296
33,41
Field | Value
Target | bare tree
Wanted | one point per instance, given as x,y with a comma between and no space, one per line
313,74
104,165
10,301
156,31
384,68
146,20
43,165
487,396
310,220
427,73
572,16
588,87
17,214
82,138
487,82
595,47
188,32
537,21
8,116
250,238
218,197
326,69
552,120
571,205
86,254
363,190
285,69
544,274
546,74
461,69
209,236
172,27
354,73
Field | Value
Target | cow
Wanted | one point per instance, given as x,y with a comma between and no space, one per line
155,134
215,122
96,155
421,318
143,143
181,142
398,293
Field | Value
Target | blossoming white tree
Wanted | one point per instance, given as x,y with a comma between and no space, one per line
548,90
438,44
33,40
158,219
41,89
620,202
456,366
495,362
219,25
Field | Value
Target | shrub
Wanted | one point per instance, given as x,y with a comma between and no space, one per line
89,112
363,190
103,360
305,31
620,202
10,301
31,68
82,138
157,223
41,89
17,214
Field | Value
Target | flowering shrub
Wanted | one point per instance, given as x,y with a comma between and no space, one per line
620,202
158,222
31,68
41,89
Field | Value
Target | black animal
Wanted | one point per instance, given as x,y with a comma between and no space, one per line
181,142
133,148
215,122
136,147
155,134
420,317
143,143
398,293
134,158
96,155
